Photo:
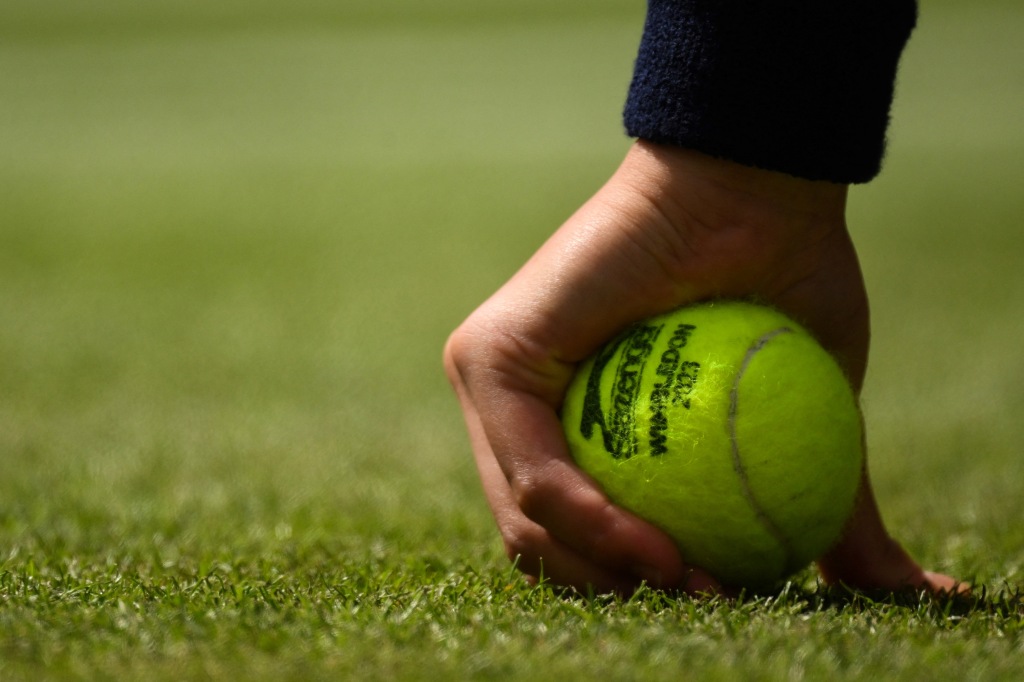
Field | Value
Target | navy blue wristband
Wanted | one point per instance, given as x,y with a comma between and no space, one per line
798,86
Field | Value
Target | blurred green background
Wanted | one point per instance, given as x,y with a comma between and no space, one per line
234,236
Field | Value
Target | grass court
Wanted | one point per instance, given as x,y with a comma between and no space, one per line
233,238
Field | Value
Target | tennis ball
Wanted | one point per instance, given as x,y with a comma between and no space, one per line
729,427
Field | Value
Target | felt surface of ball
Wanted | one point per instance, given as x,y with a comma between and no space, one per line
729,427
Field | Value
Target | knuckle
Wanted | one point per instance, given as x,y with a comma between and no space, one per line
472,349
458,351
602,532
524,545
534,493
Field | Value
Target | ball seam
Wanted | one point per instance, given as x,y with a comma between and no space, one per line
738,465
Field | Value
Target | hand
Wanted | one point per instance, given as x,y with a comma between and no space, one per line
867,558
670,227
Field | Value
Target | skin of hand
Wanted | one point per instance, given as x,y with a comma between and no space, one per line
671,227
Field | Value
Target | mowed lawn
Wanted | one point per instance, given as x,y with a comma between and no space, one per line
233,238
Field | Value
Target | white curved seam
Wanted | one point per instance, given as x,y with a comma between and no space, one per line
737,458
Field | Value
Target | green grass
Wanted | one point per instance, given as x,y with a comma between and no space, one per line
233,237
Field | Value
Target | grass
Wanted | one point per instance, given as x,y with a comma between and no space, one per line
420,620
233,238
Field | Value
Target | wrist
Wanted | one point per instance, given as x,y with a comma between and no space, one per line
732,193
729,229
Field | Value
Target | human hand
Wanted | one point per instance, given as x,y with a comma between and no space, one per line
868,558
669,228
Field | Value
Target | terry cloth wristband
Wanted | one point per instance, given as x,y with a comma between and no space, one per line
798,86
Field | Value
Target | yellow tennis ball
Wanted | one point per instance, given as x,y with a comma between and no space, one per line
729,427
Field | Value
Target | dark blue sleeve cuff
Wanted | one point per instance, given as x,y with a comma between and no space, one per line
798,86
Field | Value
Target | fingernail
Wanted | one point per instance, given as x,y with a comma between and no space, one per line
699,582
649,574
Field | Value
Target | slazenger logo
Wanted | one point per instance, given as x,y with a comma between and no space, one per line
617,420
617,423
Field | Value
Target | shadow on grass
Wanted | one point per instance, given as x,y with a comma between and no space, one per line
1005,603
796,599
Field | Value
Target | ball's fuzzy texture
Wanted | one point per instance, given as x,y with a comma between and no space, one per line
729,427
